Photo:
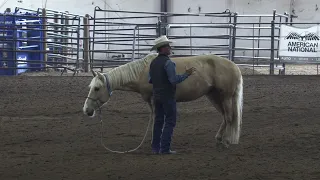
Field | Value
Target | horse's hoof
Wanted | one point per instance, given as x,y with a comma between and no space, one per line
226,143
218,139
221,146
218,143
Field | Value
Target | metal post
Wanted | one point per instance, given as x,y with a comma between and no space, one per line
272,49
138,41
272,43
134,42
278,42
283,72
190,39
93,39
62,28
78,46
259,34
44,28
15,48
55,40
234,35
159,33
65,40
253,60
230,37
164,17
86,42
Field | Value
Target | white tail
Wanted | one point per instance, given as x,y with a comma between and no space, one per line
237,105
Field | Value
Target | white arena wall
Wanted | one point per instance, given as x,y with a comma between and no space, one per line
306,10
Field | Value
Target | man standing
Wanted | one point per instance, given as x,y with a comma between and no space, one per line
164,79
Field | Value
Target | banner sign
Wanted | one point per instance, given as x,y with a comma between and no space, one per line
299,44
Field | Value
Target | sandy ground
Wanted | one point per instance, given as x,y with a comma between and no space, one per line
44,134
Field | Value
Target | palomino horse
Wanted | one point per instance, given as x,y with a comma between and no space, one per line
219,79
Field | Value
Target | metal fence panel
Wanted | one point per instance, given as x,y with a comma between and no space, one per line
250,40
126,35
118,38
39,40
257,39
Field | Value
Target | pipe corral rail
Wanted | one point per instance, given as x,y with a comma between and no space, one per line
125,36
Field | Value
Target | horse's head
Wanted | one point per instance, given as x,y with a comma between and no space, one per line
99,93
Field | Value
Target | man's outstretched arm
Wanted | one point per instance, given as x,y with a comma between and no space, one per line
174,78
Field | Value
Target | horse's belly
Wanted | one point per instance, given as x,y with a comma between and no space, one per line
190,93
189,90
180,98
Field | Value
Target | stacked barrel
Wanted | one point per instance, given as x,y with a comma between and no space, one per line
21,43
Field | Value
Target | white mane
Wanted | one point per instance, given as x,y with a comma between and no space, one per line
125,73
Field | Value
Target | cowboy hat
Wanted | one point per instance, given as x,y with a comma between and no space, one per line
160,41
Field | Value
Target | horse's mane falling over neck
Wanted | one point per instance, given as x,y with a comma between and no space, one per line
129,72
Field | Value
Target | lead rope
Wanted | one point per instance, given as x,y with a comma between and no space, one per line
101,121
121,152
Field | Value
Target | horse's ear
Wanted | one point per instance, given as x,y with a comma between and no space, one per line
100,76
93,73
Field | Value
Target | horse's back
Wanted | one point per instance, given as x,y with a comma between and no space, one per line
211,64
219,72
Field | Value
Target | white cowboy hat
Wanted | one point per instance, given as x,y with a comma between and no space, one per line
160,41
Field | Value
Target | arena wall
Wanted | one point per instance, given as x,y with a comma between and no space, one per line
305,11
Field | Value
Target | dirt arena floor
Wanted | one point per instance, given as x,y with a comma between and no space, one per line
44,134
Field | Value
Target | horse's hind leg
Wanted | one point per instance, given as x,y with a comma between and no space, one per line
215,99
228,113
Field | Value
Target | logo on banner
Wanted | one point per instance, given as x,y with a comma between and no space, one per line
302,45
299,44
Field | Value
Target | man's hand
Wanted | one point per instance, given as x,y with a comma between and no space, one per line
190,71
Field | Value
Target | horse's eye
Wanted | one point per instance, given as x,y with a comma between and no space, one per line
96,89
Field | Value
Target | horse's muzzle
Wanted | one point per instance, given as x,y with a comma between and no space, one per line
88,111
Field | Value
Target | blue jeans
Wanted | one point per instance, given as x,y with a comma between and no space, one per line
165,121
